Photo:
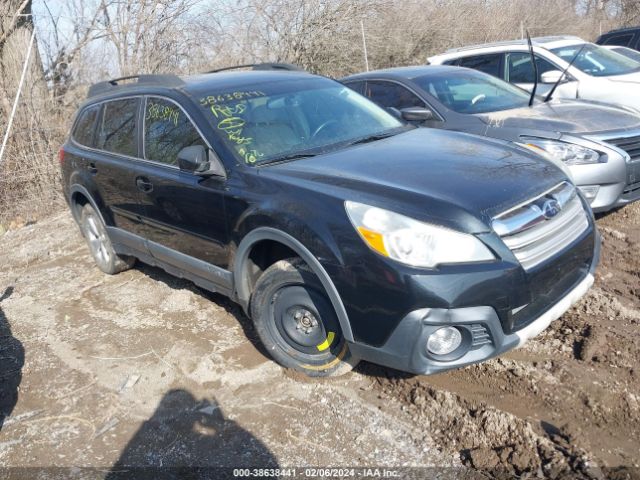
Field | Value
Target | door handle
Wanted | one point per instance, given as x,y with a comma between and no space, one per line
144,185
92,168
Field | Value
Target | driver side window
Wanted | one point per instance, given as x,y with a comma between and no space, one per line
167,130
388,94
520,69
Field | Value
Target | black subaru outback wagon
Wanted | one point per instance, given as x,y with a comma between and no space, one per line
342,232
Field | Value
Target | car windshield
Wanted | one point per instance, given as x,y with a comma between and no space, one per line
273,121
470,91
627,52
597,61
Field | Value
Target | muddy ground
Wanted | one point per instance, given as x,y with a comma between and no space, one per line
145,369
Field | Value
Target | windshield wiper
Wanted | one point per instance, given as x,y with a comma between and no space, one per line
367,139
553,89
535,70
376,136
287,158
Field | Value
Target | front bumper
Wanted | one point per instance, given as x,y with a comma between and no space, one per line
613,196
405,348
618,178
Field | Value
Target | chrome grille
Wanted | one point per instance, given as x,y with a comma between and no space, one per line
544,226
631,188
631,145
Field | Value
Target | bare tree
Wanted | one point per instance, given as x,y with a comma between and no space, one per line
148,35
629,11
63,48
16,27
28,158
319,35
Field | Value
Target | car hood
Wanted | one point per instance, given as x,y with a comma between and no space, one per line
628,78
561,116
450,178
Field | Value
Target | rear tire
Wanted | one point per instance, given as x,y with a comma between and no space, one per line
297,322
100,245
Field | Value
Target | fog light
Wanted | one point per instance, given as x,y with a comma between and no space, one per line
590,192
444,341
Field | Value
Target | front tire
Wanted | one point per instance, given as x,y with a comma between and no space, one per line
100,245
297,323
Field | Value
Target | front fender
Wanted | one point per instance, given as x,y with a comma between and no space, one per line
241,281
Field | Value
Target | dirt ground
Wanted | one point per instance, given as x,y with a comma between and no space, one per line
144,369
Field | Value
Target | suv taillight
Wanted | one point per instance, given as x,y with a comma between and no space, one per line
61,155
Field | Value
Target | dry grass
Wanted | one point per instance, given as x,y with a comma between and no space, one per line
29,173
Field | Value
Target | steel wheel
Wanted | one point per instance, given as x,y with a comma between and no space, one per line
296,321
296,313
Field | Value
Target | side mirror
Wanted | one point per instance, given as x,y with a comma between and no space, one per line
552,77
417,114
193,159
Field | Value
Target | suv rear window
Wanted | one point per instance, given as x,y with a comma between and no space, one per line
85,126
485,63
621,40
117,131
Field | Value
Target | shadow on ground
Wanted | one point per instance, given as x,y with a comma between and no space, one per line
11,363
231,307
379,372
187,438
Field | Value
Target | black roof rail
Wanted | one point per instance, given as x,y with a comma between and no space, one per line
164,80
262,66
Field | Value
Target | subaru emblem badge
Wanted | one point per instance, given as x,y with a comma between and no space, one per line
550,208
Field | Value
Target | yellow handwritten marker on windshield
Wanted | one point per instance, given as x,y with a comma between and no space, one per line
327,343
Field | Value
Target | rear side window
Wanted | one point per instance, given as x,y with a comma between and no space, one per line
485,63
623,40
388,94
167,130
357,86
118,126
85,126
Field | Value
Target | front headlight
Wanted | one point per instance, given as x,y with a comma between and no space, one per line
567,153
413,242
